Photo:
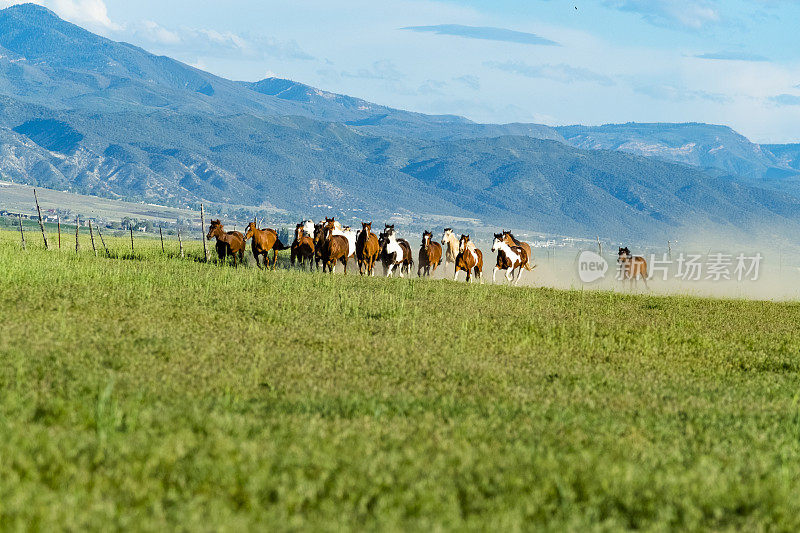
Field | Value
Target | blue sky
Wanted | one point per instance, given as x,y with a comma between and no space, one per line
733,62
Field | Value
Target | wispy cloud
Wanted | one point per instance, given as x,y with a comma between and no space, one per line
731,56
208,42
685,14
678,93
473,82
783,100
560,72
484,32
379,70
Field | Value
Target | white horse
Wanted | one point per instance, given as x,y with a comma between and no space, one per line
508,259
450,245
308,228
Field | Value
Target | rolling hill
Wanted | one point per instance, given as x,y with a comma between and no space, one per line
80,112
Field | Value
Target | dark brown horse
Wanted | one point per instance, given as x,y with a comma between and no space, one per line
512,241
319,238
334,248
229,243
632,267
302,247
469,259
367,249
264,240
430,255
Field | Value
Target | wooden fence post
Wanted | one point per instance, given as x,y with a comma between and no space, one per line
202,230
160,234
41,224
21,233
59,231
103,242
599,246
91,236
180,244
131,228
77,228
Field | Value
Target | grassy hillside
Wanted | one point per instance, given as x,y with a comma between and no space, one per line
153,392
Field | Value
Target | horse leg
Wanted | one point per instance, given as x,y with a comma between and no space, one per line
494,274
510,274
455,276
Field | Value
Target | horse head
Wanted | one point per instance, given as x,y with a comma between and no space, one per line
624,255
426,239
250,231
499,238
366,227
463,242
215,229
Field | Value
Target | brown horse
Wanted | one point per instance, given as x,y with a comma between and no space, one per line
512,241
367,249
469,259
228,243
632,267
302,247
509,257
430,255
334,248
264,240
319,239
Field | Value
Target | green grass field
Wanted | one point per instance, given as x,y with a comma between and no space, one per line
152,392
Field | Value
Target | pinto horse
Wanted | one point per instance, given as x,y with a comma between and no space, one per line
394,252
228,243
508,258
450,244
509,238
368,249
430,255
632,267
302,247
334,248
264,240
469,259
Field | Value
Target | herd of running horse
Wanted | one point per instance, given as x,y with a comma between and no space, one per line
329,243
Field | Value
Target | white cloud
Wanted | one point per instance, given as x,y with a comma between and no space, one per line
91,13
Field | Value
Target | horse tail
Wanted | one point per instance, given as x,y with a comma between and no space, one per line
280,246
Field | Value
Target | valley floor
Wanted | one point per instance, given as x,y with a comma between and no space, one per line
153,392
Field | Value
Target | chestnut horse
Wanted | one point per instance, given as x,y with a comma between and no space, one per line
367,249
632,267
450,244
345,232
512,241
264,240
469,259
430,255
228,243
508,258
334,248
302,247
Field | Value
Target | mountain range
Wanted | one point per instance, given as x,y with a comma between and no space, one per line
84,113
